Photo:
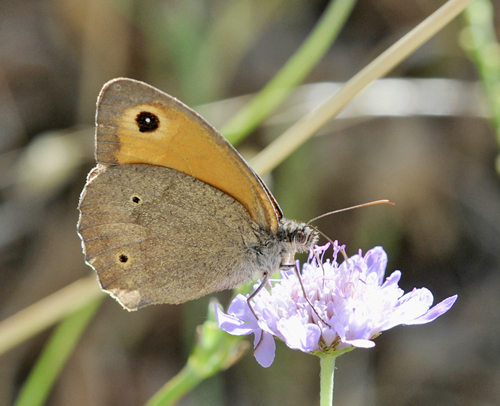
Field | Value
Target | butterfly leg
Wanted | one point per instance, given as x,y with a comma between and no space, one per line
260,340
256,291
296,269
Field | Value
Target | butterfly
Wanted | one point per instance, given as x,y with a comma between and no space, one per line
172,212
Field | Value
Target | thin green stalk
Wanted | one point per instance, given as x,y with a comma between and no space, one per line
49,365
327,366
305,128
480,41
202,58
293,72
214,351
218,59
182,383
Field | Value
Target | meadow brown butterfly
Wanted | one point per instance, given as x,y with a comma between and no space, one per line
172,212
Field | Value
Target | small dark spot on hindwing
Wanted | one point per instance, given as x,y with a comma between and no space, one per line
124,259
135,198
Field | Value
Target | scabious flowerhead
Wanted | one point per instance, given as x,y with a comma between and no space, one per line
348,306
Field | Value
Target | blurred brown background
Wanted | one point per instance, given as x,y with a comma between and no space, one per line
425,145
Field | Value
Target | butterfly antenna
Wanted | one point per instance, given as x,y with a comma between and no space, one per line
344,254
350,208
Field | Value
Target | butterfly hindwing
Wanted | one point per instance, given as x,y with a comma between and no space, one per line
150,239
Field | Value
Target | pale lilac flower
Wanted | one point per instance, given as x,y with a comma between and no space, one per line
353,301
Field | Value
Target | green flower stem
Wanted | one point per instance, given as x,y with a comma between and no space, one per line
480,41
177,387
214,351
327,372
327,366
292,73
54,356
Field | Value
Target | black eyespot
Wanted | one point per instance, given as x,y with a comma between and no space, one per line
147,122
136,199
123,258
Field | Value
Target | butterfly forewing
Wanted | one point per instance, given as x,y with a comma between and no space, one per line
137,123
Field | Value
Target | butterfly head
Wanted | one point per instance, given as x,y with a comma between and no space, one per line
295,237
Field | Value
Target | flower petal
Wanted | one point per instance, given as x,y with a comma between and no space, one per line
393,279
299,336
360,343
239,308
376,262
232,325
410,307
266,349
438,310
328,336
